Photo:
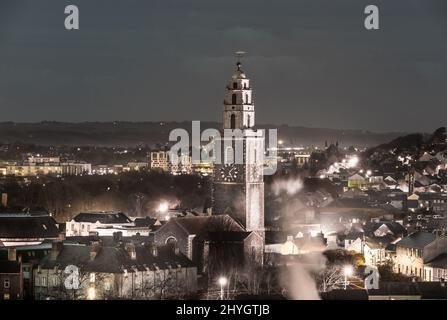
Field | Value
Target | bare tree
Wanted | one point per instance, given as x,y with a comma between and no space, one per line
330,278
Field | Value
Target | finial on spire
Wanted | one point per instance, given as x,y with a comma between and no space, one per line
239,55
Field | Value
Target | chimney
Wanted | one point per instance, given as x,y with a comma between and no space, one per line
56,249
61,236
130,248
117,236
4,199
12,254
94,249
154,250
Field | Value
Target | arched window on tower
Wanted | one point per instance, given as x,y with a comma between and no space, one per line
229,155
248,121
234,85
233,99
233,121
246,98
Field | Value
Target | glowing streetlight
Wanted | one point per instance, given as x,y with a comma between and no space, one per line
91,293
223,282
163,207
347,271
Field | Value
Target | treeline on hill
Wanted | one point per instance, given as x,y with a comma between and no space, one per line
417,143
135,193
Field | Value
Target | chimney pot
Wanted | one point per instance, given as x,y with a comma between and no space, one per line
12,254
94,249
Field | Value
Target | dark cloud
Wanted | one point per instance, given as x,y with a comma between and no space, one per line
312,63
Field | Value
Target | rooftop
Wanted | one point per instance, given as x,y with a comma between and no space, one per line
28,226
104,217
419,240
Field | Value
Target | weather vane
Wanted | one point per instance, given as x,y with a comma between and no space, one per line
239,55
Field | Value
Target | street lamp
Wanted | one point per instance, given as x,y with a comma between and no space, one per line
163,207
222,281
91,293
347,270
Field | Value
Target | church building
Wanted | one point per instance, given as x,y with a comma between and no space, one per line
238,187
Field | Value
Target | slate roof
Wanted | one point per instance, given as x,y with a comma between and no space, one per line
395,227
115,259
348,203
419,240
28,226
144,222
203,225
228,236
439,262
102,217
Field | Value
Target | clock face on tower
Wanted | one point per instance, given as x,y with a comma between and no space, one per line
229,173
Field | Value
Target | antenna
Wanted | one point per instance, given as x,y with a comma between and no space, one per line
239,55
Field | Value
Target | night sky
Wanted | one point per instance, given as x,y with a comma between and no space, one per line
312,63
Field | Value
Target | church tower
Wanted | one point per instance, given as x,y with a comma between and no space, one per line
238,187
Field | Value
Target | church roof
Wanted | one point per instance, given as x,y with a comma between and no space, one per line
204,224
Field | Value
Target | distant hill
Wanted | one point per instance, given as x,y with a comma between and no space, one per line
414,143
153,133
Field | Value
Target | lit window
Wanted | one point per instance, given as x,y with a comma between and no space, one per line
6,283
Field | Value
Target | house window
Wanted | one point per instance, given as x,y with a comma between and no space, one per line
6,283
6,296
54,281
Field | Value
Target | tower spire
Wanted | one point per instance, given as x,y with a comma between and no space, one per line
239,55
